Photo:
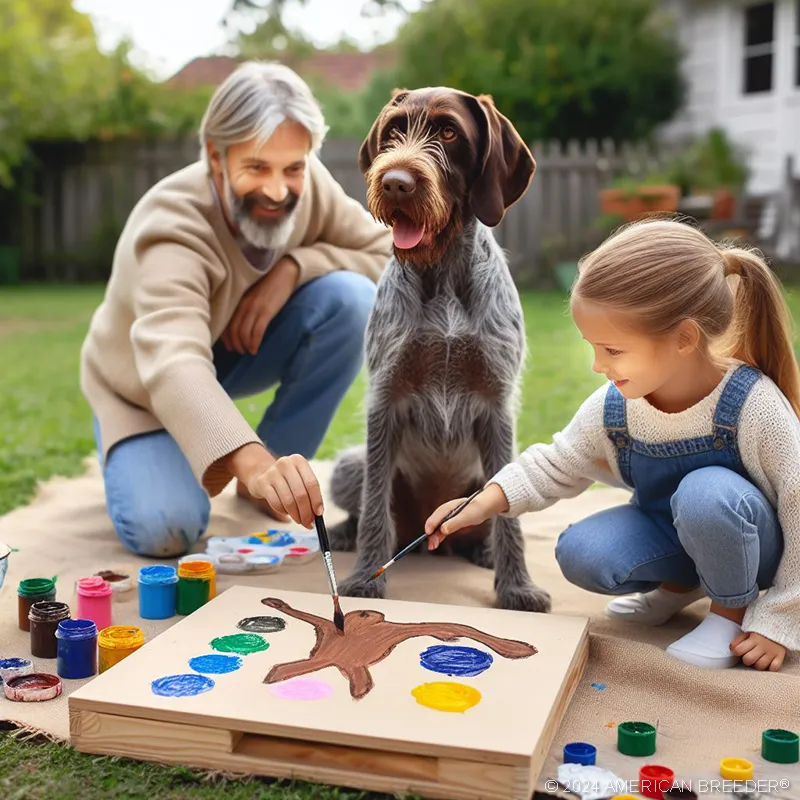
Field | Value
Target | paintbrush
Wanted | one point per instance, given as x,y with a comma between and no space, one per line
325,545
457,510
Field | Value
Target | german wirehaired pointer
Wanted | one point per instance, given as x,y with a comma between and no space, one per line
445,342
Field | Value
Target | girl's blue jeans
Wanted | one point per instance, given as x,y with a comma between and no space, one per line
723,535
312,350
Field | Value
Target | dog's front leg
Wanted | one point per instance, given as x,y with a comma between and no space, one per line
375,540
515,589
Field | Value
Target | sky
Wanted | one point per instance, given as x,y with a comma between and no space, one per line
169,33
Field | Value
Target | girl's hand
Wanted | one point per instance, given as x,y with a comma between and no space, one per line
759,652
485,505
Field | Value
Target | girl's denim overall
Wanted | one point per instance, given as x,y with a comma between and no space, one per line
695,516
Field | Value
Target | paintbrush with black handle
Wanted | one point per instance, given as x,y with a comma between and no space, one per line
457,510
325,546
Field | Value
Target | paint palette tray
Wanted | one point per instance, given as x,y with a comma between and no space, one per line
260,553
417,700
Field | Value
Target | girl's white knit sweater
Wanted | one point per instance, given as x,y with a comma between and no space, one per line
769,445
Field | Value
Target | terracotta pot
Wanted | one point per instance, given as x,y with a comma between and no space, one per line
724,204
644,199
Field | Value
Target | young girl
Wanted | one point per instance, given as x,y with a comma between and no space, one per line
699,418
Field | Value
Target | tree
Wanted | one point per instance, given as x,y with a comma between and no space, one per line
559,69
56,84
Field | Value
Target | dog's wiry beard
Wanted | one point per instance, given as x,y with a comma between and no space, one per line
263,234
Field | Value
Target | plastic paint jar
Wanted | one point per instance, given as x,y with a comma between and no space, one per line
13,667
94,601
30,591
116,643
194,585
44,617
120,581
157,592
77,648
212,592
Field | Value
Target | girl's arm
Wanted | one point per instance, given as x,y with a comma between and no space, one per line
545,473
769,442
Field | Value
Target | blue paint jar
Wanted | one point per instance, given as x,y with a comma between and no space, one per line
77,648
158,592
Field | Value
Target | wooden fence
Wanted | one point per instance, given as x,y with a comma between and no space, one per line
75,200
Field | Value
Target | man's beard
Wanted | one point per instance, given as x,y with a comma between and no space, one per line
262,233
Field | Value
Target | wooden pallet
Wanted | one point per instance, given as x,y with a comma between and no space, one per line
341,741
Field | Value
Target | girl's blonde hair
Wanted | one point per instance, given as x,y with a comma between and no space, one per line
662,272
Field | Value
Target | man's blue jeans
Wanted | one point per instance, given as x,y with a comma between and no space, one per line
313,350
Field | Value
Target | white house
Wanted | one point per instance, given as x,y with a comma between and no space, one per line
742,63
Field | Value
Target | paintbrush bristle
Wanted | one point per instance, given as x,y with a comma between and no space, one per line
377,573
338,616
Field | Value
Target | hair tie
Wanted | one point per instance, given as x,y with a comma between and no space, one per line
730,264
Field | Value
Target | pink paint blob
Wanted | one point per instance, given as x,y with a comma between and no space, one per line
302,689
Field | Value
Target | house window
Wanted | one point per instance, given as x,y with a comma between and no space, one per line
759,47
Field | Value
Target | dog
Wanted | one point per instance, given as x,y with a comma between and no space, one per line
445,341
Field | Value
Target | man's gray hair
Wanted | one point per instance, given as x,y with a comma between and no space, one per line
253,101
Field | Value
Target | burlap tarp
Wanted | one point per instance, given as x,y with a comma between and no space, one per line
702,716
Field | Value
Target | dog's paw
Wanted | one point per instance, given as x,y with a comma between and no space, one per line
524,597
359,585
342,536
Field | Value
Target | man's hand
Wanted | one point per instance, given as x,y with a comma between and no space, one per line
290,487
489,502
259,306
287,484
758,652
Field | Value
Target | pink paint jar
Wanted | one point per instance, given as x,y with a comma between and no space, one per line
94,601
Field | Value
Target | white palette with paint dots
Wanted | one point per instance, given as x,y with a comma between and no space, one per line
260,553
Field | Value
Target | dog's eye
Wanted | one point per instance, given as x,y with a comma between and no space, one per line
448,134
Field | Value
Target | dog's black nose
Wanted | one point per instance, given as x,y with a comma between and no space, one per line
397,183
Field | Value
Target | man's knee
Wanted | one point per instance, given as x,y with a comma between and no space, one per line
349,298
162,530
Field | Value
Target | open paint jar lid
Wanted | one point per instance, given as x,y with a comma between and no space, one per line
32,688
5,552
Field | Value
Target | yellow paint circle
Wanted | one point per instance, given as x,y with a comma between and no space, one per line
446,696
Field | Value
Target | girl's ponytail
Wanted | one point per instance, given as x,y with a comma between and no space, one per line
761,332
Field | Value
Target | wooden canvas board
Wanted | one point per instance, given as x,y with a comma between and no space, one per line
521,699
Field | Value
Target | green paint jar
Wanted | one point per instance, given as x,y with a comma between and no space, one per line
30,591
192,593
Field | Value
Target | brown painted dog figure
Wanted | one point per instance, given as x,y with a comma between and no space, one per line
445,342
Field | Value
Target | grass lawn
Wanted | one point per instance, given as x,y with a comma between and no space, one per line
45,430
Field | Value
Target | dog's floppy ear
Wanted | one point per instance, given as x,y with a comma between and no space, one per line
506,165
369,147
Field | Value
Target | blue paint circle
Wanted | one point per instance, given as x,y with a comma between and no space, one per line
213,664
186,685
455,661
280,539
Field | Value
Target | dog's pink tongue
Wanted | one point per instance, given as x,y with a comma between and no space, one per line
407,234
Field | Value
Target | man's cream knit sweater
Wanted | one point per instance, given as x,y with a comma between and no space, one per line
176,280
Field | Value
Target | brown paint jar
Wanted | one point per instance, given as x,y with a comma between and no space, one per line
44,617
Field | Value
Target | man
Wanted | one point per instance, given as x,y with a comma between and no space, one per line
247,269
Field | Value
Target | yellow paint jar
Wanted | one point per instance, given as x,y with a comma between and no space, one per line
117,642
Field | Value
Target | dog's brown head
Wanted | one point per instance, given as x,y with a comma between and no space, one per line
436,157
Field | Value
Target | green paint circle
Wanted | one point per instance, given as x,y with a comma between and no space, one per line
241,643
